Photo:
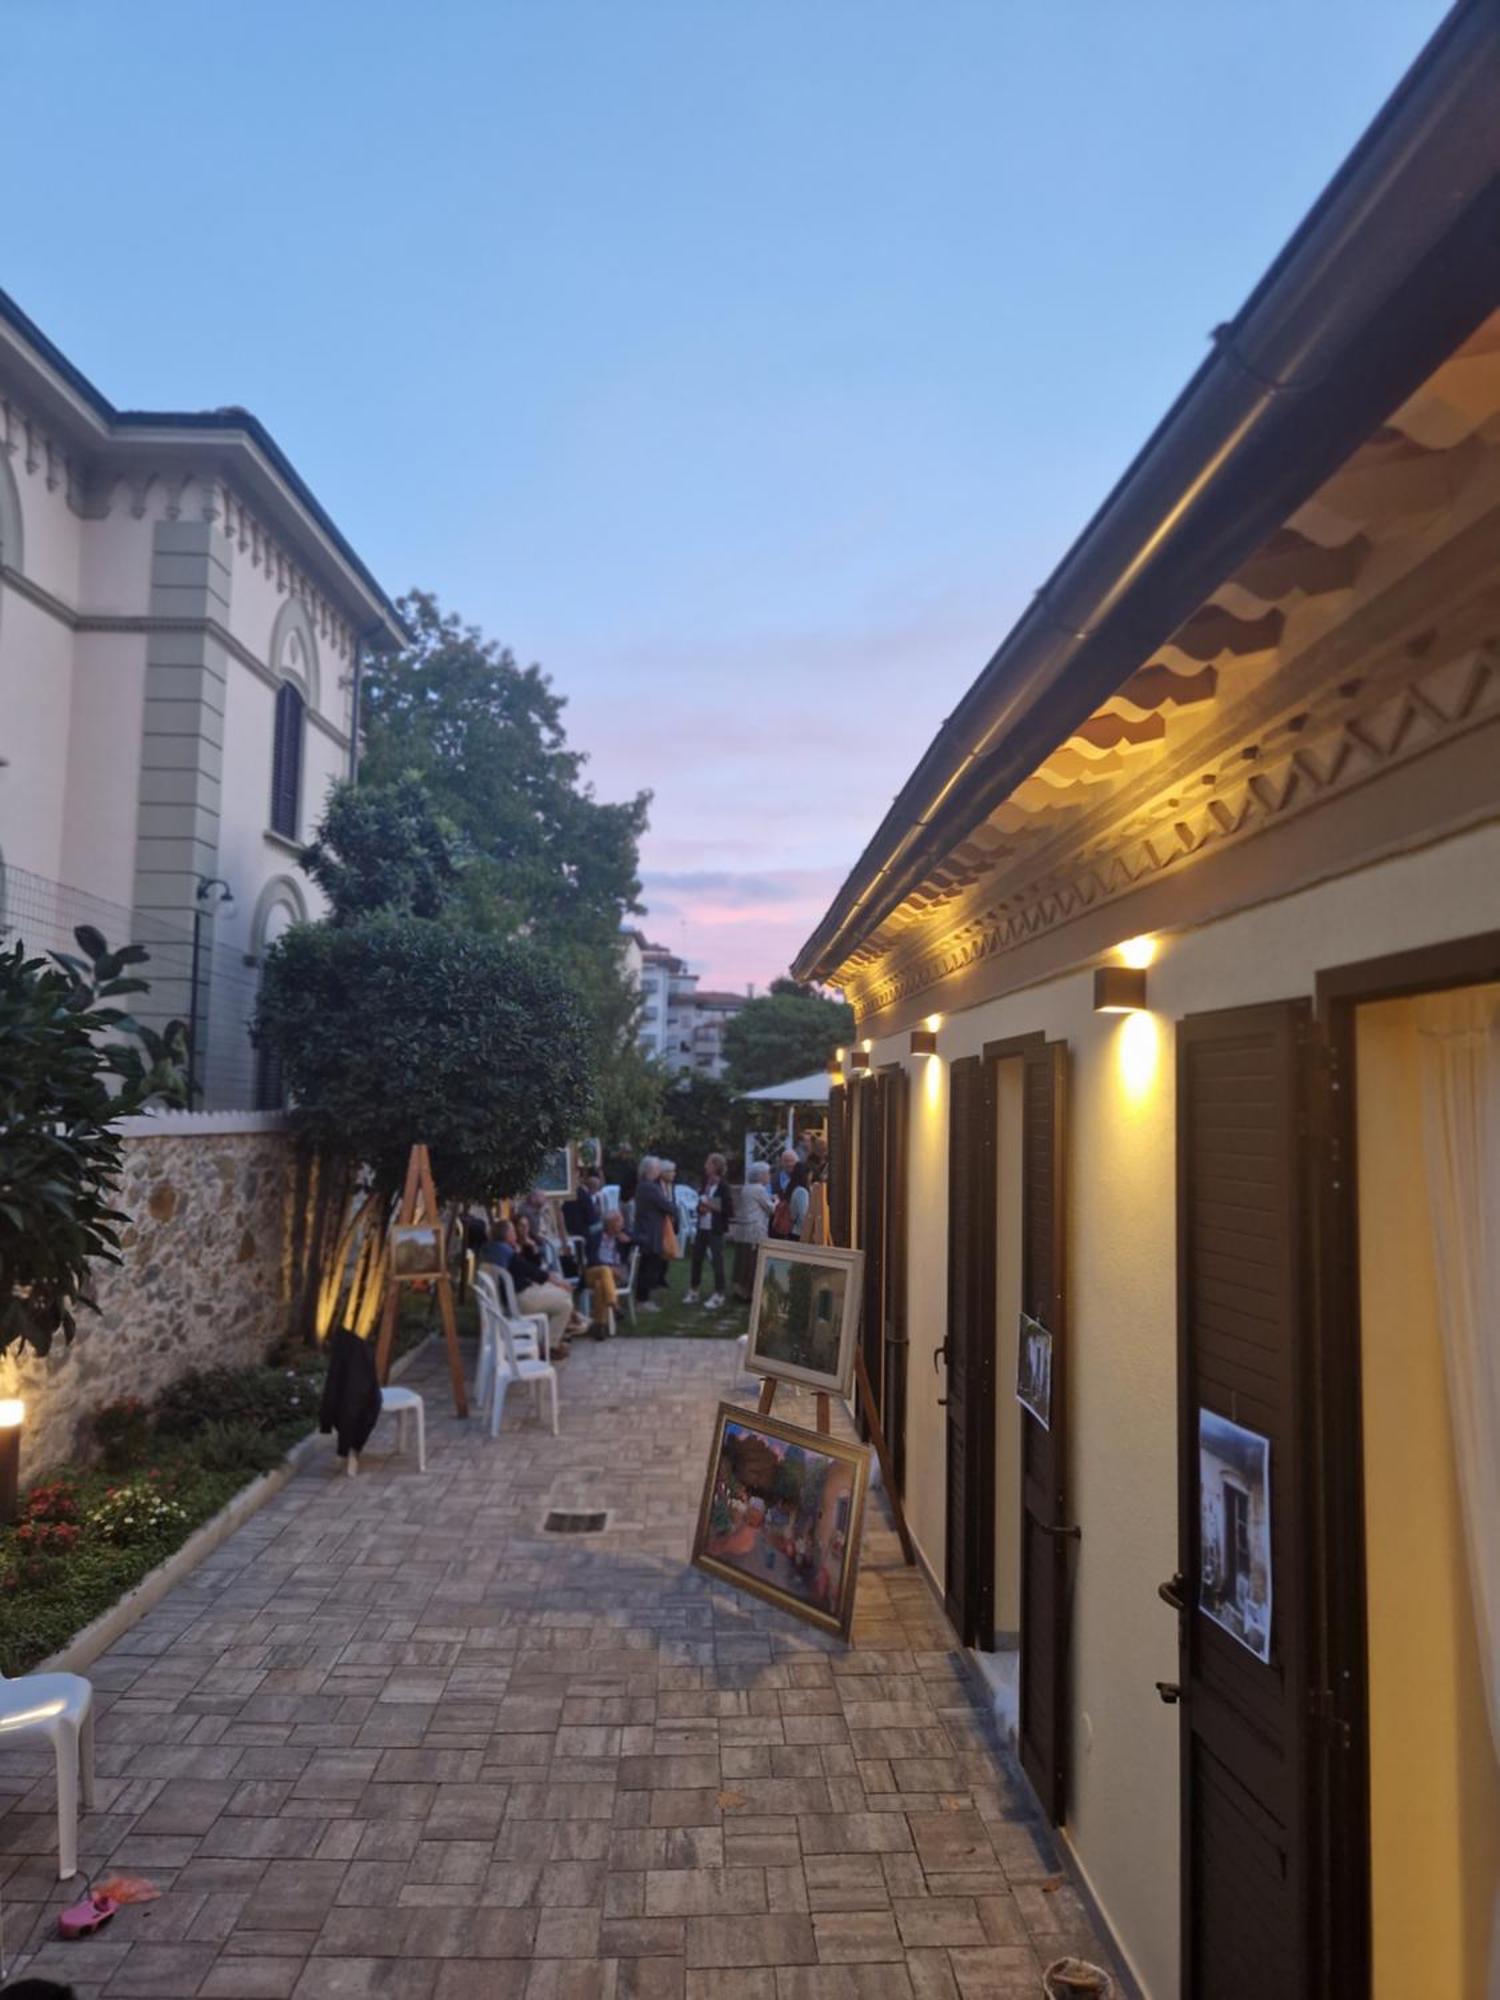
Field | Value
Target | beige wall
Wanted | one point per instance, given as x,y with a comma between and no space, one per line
1123,1820
1434,1785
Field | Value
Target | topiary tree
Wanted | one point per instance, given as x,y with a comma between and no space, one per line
72,1064
394,1031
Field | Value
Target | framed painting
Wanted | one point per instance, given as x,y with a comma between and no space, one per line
781,1516
417,1250
1034,1370
556,1175
804,1314
1234,1530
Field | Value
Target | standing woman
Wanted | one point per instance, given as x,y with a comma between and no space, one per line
715,1206
653,1210
751,1226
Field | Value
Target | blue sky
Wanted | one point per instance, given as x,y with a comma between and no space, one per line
748,365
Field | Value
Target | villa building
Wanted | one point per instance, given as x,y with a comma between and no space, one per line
1176,966
182,631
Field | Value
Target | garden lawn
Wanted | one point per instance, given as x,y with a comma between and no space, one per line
682,1322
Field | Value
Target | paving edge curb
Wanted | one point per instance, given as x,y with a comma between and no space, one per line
101,1633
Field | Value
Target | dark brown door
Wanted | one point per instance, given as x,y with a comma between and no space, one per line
1244,1331
1047,1534
838,1164
893,1405
873,1169
969,1572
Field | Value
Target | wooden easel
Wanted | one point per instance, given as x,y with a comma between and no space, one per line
419,1204
865,1397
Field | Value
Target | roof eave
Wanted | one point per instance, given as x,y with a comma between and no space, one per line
1392,269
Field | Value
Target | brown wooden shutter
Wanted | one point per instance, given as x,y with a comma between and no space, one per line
873,1170
1243,1327
286,760
1046,1530
838,1164
893,1409
969,1579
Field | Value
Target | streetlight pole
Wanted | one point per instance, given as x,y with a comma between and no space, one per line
205,904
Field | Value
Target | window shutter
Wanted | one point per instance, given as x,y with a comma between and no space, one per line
838,1164
286,760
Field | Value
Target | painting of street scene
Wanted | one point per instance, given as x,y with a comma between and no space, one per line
1234,1530
804,1314
781,1515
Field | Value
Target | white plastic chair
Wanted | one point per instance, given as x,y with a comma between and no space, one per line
61,1708
522,1322
518,1369
400,1403
491,1345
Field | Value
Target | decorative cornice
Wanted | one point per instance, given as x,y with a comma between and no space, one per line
1360,732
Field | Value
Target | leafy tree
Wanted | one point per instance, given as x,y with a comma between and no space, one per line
699,1116
383,847
394,1031
784,1035
72,1064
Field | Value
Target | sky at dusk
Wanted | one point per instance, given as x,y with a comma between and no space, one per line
748,365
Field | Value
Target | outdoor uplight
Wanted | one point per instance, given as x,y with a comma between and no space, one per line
1119,989
12,1416
859,1061
924,1041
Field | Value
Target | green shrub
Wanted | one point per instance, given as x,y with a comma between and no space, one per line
122,1432
237,1446
138,1512
273,1399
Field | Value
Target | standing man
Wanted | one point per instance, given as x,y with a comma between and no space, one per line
653,1211
715,1205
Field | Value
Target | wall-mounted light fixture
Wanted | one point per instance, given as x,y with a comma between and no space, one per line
12,1416
924,1041
859,1061
1119,989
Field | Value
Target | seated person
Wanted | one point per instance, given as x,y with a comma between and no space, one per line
606,1274
536,1291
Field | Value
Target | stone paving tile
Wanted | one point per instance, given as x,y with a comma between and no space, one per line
393,1742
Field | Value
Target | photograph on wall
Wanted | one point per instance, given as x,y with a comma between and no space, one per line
555,1174
417,1250
781,1515
804,1314
1234,1530
1034,1370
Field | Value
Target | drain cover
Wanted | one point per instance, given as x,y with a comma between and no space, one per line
574,1524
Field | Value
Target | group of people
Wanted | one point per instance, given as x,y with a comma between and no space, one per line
553,1260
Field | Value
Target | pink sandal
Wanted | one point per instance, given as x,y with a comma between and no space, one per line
79,1919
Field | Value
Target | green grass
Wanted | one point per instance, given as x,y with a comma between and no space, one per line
676,1321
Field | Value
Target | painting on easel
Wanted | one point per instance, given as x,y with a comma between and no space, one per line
781,1515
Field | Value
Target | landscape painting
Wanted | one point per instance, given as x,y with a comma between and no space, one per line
1234,1530
417,1250
781,1515
804,1314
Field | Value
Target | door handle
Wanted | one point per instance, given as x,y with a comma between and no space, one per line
939,1354
1170,1692
1174,1592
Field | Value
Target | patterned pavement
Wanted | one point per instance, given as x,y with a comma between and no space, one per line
394,1740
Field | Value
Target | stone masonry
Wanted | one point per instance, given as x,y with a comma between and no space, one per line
204,1283
394,1740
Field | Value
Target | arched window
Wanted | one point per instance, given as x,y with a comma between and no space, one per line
286,760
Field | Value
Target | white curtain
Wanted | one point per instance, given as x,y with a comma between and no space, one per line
1459,1041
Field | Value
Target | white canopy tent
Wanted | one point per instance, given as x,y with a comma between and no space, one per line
802,1090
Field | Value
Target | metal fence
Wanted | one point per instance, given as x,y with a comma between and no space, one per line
221,991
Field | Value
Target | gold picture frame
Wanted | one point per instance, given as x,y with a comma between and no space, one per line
761,1529
416,1251
804,1314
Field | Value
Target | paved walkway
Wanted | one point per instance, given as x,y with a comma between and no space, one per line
393,1740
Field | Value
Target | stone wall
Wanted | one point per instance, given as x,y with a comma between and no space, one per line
204,1282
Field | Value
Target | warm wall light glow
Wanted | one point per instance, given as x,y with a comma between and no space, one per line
867,1045
839,1055
1138,1051
933,1021
1138,952
932,1085
12,1413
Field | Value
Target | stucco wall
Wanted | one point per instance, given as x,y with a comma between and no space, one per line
204,1283
1123,1820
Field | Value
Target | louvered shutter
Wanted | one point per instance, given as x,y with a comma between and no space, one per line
1244,1342
286,760
838,1164
969,1570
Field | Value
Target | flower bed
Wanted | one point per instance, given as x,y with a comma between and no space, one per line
87,1535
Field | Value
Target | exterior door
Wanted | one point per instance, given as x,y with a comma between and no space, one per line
969,1351
839,1149
874,1174
1047,1533
893,1398
1246,1520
